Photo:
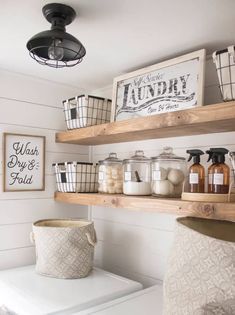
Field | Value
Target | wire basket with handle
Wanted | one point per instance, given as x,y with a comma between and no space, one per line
225,66
76,177
86,110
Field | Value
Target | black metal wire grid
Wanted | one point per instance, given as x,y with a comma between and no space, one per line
225,67
75,59
77,177
83,111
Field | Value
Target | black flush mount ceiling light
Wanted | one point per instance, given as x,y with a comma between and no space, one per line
56,48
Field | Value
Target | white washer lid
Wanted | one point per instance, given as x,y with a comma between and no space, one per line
25,292
148,302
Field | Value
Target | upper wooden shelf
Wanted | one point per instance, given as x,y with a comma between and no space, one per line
209,210
200,120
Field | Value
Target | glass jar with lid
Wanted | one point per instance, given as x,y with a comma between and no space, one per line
168,174
137,175
110,177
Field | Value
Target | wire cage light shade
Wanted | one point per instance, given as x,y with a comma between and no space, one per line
57,48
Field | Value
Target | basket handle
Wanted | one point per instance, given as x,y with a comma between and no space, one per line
32,238
231,52
214,57
90,240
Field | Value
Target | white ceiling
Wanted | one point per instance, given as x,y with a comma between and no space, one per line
119,35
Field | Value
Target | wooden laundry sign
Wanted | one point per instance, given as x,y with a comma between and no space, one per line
24,162
169,86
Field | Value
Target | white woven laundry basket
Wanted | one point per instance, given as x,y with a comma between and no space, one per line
64,248
200,279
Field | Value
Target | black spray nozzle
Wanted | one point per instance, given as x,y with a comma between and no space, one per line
219,154
210,154
222,151
195,154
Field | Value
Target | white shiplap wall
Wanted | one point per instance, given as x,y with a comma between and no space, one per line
137,244
33,106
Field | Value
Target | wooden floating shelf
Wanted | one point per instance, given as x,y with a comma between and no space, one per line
200,120
210,210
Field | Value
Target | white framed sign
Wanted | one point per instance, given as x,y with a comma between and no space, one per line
23,162
172,85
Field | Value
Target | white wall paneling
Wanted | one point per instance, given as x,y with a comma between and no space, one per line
33,106
12,258
20,211
16,86
137,244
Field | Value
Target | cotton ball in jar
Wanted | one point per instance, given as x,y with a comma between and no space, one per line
119,184
175,176
118,187
111,190
118,191
120,174
103,188
117,173
163,187
114,171
110,182
108,171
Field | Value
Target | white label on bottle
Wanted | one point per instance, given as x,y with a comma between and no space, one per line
157,175
210,179
101,176
127,176
218,179
193,178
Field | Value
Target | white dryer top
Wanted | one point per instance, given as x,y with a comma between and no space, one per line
25,292
148,302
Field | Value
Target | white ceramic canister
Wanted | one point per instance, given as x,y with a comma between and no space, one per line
168,174
137,175
110,177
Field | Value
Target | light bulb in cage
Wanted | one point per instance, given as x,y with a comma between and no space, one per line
55,51
56,48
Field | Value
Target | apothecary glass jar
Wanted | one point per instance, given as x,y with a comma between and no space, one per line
137,175
168,174
110,177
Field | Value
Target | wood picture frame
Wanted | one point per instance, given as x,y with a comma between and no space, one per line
171,85
23,162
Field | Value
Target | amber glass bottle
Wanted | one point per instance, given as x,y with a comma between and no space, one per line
211,170
196,172
221,172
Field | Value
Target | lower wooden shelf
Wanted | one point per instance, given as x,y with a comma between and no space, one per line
210,210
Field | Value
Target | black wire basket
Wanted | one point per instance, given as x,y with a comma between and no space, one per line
225,66
76,177
86,110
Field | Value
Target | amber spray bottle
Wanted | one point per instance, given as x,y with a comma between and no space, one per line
221,172
196,172
211,169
